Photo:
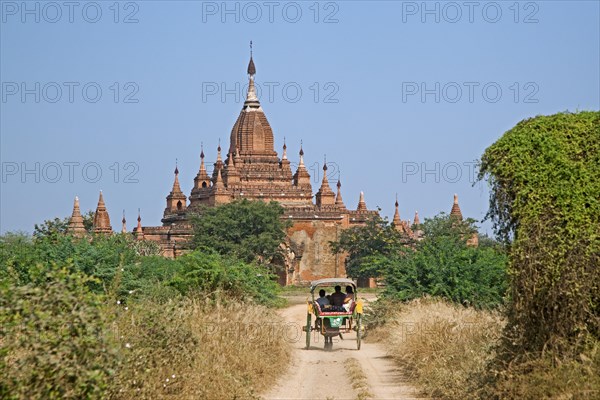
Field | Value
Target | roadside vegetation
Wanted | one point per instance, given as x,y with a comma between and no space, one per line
516,318
106,317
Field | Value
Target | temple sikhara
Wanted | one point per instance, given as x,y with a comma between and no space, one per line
250,168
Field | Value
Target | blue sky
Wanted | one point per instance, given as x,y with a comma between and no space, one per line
402,97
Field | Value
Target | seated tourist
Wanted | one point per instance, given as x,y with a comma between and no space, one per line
322,301
337,298
349,299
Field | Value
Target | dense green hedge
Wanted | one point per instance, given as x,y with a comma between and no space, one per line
545,201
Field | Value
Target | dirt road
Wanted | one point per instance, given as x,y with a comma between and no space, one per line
318,374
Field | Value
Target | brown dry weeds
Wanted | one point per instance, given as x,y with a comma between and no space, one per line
194,349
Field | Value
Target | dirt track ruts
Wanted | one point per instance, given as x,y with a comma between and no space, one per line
319,374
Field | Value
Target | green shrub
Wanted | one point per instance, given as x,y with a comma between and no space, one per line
212,273
443,265
53,339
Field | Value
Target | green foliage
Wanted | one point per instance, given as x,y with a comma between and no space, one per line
443,265
53,342
212,273
22,257
545,183
369,247
16,257
249,230
56,226
439,265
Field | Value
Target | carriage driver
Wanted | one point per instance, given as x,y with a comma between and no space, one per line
337,298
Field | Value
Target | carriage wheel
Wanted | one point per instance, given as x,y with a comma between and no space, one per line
358,333
307,331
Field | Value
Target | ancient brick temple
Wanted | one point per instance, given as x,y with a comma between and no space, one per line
252,169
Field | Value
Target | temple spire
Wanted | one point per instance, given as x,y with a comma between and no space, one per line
455,211
325,196
251,98
251,66
219,163
338,198
284,155
233,175
124,222
302,177
219,182
397,221
362,205
139,232
416,221
202,174
176,186
201,180
176,200
325,181
76,227
301,155
101,217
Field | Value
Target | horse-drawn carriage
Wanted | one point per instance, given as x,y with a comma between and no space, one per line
331,321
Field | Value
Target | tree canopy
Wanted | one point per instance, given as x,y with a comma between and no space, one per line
249,230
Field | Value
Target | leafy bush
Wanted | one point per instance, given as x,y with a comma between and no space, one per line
53,339
545,179
22,257
443,265
212,273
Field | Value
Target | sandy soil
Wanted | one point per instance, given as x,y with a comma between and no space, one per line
319,374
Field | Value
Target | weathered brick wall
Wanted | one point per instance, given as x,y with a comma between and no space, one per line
313,257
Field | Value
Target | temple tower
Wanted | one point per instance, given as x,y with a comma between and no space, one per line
325,196
455,211
101,218
202,182
176,203
76,227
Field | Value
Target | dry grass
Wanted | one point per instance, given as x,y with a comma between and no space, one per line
444,348
449,351
358,378
544,377
194,349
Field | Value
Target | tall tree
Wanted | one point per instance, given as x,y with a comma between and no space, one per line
249,230
368,246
